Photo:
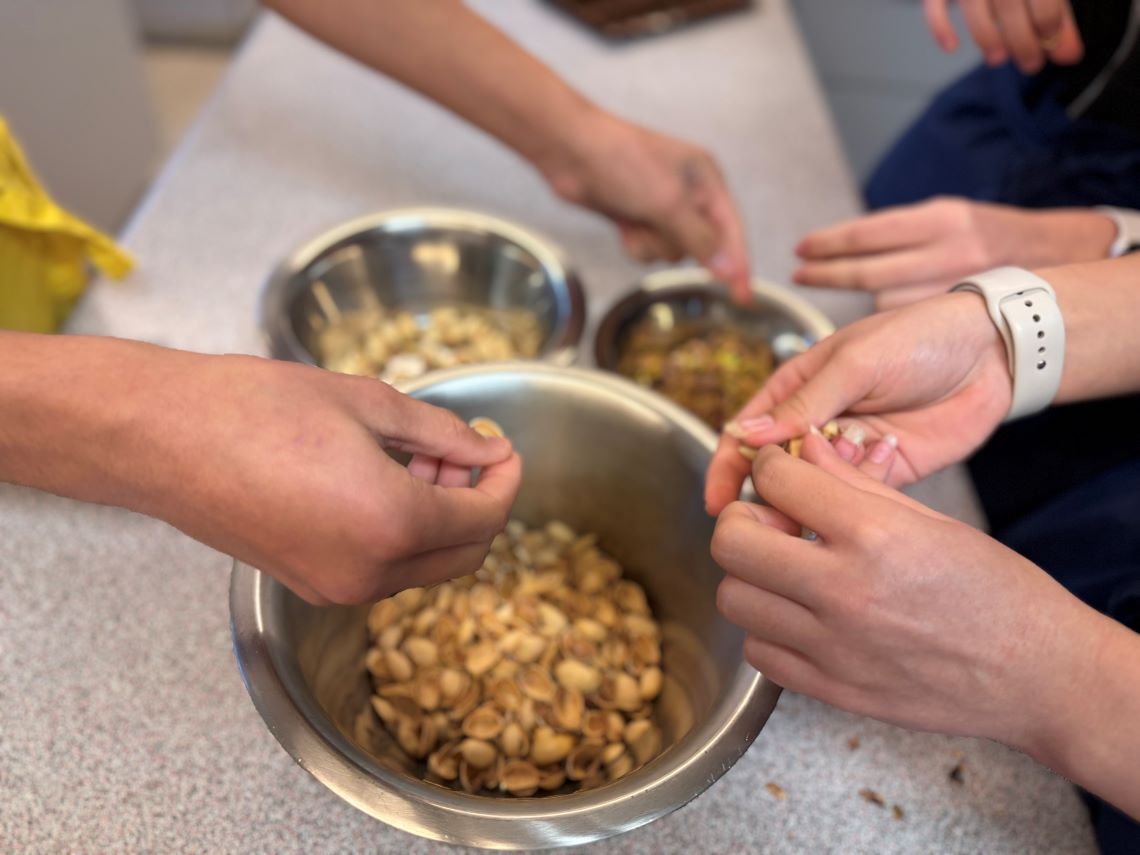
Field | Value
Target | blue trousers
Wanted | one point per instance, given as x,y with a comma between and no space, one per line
1063,487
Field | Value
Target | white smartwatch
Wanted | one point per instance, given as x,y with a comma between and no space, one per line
1024,308
1127,230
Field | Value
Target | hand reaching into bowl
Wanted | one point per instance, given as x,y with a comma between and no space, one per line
908,616
667,197
280,465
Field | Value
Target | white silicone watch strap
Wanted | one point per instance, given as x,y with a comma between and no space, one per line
1127,230
1024,309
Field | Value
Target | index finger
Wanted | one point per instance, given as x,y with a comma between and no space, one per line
731,260
895,228
938,19
450,516
812,497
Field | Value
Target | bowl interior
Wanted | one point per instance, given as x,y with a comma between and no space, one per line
415,264
605,457
697,307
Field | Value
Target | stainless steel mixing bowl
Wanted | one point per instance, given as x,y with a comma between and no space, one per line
605,456
416,259
689,295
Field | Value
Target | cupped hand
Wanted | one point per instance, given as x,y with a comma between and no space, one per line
895,611
916,251
934,375
286,468
667,197
1028,31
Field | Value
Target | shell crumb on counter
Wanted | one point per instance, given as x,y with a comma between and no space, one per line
869,795
776,791
397,345
853,743
537,673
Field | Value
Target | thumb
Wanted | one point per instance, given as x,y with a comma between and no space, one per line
818,399
816,449
405,424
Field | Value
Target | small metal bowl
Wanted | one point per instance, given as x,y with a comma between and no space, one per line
690,295
608,457
417,259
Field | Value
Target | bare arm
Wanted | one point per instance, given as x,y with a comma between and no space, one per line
667,197
280,465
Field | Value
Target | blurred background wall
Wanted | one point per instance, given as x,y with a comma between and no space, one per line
100,91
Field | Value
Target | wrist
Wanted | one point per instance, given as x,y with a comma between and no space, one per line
585,135
1069,236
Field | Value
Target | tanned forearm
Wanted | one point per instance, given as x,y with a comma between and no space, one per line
448,53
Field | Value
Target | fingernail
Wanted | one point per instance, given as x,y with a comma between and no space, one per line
854,433
883,449
813,429
721,264
845,449
746,427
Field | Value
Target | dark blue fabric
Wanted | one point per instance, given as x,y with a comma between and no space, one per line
1062,488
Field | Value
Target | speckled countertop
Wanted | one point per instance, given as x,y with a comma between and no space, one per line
123,723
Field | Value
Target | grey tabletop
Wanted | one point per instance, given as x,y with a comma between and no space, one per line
123,722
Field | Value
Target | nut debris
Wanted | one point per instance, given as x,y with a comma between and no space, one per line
776,790
536,674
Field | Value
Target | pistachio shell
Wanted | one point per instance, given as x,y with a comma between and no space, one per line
444,761
650,683
452,682
551,777
425,620
560,533
506,694
621,767
514,741
409,599
399,665
549,746
416,737
422,651
615,726
391,636
644,739
386,710
551,619
584,761
382,615
536,684
519,778
577,675
465,702
427,694
636,624
484,722
568,708
590,629
594,725
530,648
374,662
630,597
478,753
481,658
646,650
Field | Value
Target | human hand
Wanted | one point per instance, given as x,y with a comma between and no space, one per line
912,252
285,467
667,197
1029,31
895,611
934,374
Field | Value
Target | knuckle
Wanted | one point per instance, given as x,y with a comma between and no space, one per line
768,470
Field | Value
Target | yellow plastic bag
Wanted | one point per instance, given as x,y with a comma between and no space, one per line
44,251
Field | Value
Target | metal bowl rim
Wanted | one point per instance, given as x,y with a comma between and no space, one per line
663,283
525,823
282,341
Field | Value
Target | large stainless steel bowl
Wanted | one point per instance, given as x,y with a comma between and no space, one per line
605,456
690,295
416,259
